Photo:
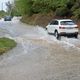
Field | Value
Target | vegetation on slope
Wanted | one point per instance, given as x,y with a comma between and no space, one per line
59,8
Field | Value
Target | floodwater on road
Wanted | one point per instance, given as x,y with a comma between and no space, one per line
38,56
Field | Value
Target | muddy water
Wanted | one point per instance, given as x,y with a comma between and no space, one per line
39,56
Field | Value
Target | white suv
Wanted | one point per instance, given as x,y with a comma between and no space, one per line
61,27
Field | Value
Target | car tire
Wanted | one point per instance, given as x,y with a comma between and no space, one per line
45,28
58,37
76,35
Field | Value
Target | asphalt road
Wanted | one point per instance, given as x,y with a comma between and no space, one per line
38,56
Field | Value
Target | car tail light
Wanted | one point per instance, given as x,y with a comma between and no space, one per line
76,27
61,27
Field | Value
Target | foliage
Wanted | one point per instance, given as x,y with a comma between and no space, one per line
23,6
62,12
59,7
2,13
76,14
9,8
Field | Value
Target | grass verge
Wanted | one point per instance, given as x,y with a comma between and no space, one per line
6,44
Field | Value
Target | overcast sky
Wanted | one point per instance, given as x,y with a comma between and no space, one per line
2,4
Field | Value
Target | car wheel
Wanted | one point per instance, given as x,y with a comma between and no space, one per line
76,35
45,28
57,35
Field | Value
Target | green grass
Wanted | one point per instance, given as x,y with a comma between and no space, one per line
6,44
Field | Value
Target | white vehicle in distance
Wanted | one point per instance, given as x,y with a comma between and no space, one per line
62,27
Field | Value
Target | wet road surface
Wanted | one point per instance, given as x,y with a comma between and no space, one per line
38,56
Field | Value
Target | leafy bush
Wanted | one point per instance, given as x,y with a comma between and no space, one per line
2,13
62,11
59,7
40,6
76,14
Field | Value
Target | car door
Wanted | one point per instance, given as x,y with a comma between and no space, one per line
53,26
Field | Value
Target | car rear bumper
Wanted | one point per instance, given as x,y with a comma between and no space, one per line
68,34
7,19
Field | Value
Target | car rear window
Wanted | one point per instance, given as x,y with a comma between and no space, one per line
67,23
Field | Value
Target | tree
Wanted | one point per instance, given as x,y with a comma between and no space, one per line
9,7
61,7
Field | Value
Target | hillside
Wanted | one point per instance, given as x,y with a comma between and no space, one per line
40,12
42,19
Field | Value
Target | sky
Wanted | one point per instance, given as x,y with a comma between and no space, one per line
3,5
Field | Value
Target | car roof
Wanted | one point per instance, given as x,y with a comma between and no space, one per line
62,19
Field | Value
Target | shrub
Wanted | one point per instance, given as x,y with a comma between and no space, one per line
76,14
40,6
62,11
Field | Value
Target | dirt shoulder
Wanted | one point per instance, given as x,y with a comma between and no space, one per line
41,19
